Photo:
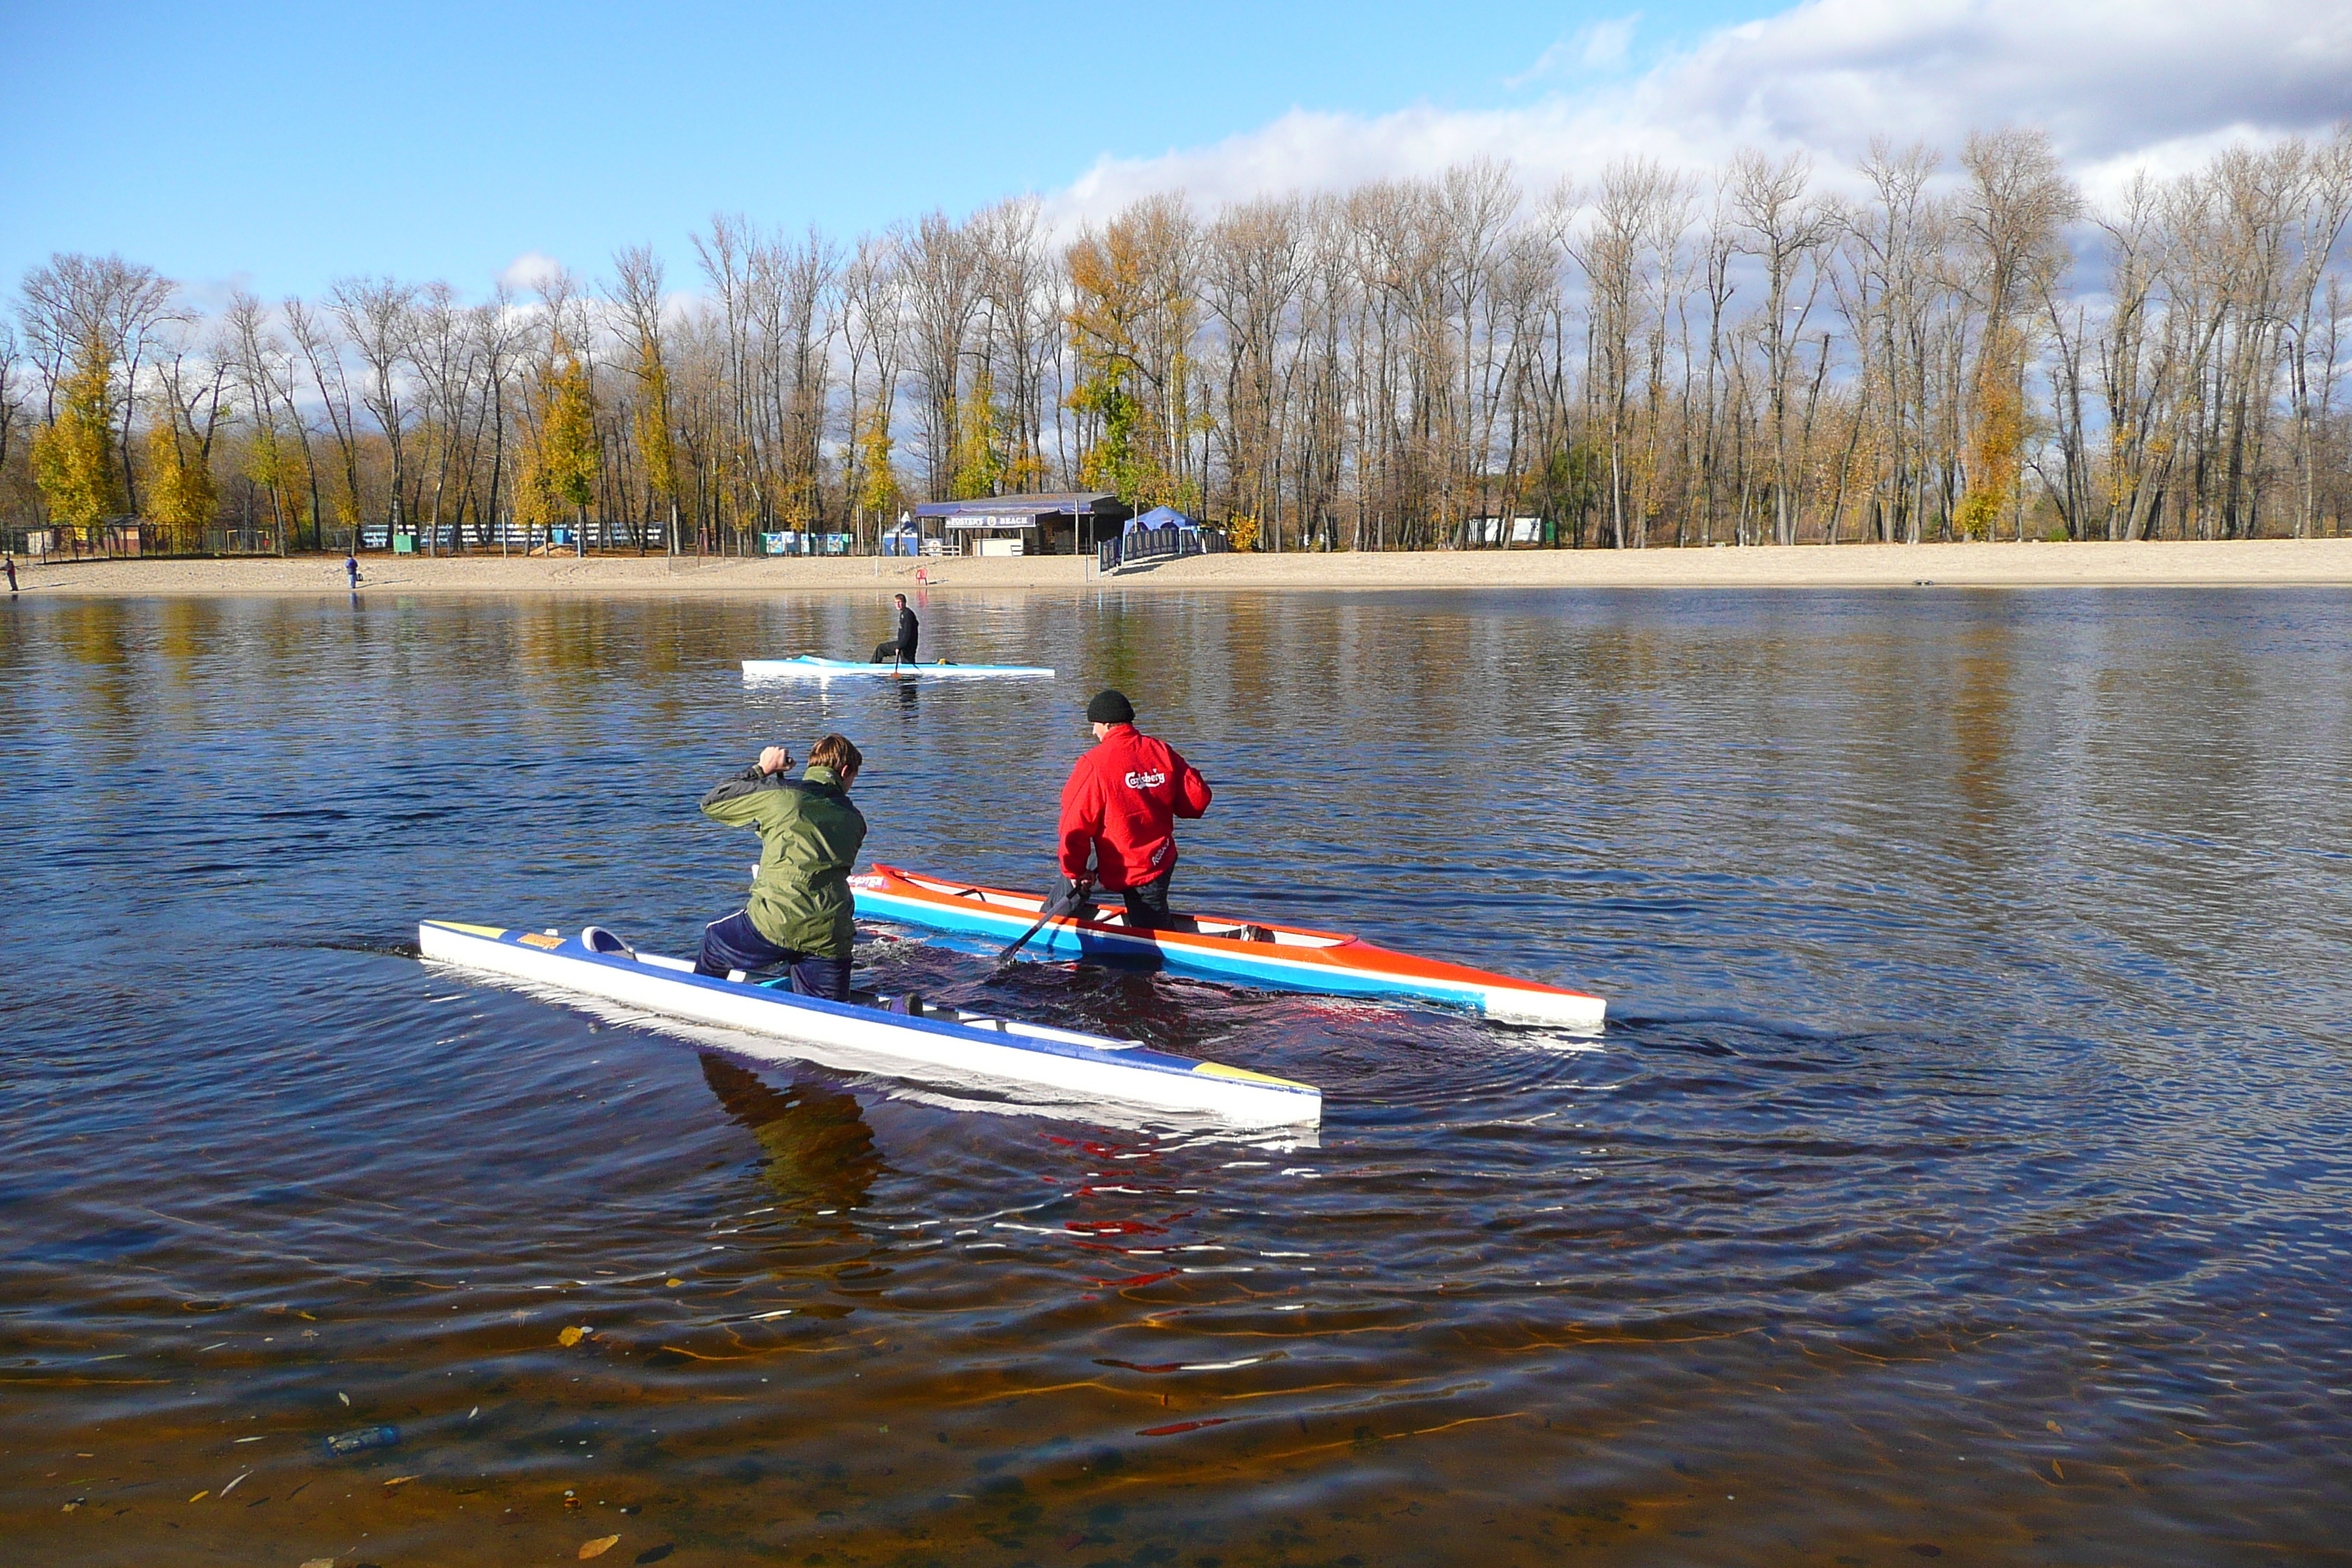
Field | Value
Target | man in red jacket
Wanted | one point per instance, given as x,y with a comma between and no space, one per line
1121,808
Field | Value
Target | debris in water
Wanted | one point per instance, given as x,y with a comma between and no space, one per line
360,1439
598,1547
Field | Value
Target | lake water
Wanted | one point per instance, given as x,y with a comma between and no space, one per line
1963,1172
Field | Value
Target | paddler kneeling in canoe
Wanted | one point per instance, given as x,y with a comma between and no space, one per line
1121,808
800,909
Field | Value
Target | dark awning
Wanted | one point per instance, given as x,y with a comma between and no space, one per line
1024,511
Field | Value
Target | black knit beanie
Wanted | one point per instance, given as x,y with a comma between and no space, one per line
1110,707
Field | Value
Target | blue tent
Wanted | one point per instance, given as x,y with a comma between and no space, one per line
1158,517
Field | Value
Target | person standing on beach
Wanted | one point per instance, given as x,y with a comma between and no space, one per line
351,565
1119,808
12,577
800,909
910,630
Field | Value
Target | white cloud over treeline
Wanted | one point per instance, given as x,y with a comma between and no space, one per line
2119,84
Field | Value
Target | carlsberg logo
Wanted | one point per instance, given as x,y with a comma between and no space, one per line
1146,781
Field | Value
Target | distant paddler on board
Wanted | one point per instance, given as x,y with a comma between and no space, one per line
900,649
799,909
1119,815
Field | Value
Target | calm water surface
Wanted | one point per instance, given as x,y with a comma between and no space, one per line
1963,1173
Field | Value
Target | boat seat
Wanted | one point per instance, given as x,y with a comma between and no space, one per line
596,939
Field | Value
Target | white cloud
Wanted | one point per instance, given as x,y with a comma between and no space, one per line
2117,83
1601,47
530,269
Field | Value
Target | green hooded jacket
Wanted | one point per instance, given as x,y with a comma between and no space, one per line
809,838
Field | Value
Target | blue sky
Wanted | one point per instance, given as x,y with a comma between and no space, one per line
282,146
293,143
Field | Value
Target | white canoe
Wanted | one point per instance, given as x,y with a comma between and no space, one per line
808,666
934,1044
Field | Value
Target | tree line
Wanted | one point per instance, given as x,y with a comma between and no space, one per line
1924,349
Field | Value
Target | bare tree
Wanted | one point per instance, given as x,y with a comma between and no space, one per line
1785,230
376,318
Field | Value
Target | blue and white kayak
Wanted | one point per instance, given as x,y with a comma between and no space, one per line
808,666
903,1036
1282,957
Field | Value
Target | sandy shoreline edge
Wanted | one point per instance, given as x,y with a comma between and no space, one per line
2167,564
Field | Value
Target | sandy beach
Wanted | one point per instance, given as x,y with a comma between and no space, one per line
2238,564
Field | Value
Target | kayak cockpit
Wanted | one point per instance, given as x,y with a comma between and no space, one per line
1113,916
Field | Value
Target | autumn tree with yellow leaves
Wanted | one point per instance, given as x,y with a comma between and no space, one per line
560,462
73,457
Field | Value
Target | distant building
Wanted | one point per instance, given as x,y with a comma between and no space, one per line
1508,531
1063,522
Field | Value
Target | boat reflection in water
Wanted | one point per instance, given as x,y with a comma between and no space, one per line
816,1151
941,1088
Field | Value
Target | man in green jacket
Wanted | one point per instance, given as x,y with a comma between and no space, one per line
800,909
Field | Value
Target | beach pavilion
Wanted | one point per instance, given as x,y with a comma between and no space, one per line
1061,523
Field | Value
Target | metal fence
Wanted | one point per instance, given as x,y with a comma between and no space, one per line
1160,544
117,539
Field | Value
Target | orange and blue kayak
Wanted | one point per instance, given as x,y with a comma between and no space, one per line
1249,953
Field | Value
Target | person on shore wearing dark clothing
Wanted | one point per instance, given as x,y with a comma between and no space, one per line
800,909
1119,810
12,577
352,566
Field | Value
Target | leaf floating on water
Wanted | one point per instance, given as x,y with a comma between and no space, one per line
398,1481
202,1495
318,1562
674,1284
344,1397
73,1503
598,1547
235,1484
569,1337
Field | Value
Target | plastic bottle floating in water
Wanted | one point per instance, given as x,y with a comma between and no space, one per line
359,1440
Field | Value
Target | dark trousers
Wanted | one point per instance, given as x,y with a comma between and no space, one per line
736,943
1147,906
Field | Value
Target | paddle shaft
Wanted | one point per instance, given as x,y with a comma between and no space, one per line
1051,912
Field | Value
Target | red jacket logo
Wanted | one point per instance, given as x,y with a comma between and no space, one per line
1152,780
